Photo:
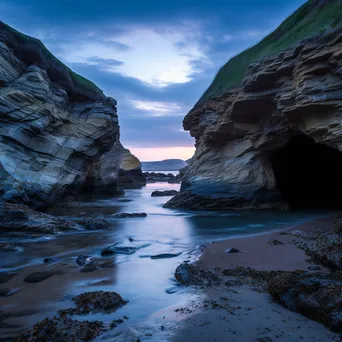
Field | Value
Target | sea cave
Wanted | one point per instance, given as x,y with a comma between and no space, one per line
308,174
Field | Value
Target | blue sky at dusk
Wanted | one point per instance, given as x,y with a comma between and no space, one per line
156,58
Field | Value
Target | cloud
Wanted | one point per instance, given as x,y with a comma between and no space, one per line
158,56
157,108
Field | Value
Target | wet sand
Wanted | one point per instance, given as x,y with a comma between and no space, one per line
258,254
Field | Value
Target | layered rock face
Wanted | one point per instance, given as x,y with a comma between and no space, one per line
256,144
117,168
130,172
56,127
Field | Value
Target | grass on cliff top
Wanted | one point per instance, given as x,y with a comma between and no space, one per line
313,18
78,80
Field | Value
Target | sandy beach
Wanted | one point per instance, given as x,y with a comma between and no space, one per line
244,312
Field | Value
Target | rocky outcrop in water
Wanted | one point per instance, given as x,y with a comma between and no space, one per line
164,193
274,140
59,133
162,165
156,177
63,328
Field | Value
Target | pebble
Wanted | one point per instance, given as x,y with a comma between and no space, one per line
232,250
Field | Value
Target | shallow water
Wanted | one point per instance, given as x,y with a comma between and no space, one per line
147,284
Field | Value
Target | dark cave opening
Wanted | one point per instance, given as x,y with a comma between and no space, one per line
309,174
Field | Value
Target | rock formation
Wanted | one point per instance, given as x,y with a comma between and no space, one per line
274,140
116,169
130,173
56,128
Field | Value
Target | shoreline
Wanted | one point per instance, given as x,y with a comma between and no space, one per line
230,305
258,254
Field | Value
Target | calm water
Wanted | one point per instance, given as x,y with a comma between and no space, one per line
145,282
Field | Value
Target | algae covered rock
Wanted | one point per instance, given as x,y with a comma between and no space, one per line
187,274
93,302
63,329
316,296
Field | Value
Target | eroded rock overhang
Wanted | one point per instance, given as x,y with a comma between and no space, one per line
296,92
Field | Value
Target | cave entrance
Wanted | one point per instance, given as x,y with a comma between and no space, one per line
309,174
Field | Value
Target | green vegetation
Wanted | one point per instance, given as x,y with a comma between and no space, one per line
313,18
43,55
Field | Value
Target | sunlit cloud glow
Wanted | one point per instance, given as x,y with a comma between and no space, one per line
156,57
152,154
158,108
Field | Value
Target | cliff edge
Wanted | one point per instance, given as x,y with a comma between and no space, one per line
55,125
274,140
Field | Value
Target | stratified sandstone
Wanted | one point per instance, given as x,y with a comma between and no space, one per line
50,133
275,139
58,132
130,172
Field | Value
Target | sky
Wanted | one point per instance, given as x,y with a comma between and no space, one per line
155,57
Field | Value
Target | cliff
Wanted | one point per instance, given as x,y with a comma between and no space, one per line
55,126
273,140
